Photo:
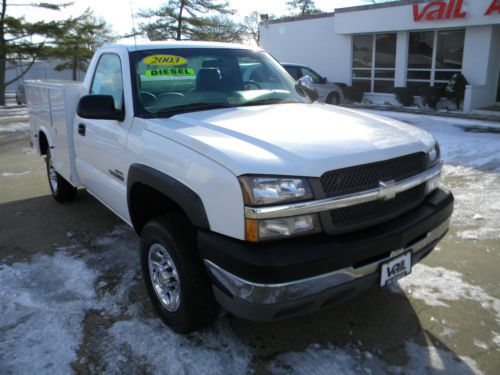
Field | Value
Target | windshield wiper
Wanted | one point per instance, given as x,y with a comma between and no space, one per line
191,107
269,101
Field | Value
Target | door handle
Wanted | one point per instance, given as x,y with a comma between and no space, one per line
81,129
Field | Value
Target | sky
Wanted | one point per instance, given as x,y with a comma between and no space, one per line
118,12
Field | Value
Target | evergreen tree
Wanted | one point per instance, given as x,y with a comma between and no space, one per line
303,7
182,19
80,38
21,40
219,28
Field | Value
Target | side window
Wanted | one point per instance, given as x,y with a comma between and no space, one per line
108,79
294,71
308,72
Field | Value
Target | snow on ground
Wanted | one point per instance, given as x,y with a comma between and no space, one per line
14,174
13,127
41,328
437,285
331,360
43,304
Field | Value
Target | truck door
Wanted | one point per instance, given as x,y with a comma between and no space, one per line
100,144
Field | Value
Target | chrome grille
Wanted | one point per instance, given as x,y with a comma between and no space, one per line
367,176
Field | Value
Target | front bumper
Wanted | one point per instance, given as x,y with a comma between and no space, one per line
273,280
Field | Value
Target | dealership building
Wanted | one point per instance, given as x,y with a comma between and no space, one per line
407,43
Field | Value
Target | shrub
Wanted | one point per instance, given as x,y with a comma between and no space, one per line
431,95
455,90
353,93
404,95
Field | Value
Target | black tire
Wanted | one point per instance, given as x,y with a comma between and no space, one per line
333,98
61,190
196,307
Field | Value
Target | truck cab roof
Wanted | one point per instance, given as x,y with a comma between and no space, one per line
176,44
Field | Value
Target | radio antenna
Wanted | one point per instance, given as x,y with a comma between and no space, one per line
133,24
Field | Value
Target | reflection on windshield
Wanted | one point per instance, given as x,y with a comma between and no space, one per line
178,80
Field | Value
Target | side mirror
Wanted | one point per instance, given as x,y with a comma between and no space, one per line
306,83
99,107
323,80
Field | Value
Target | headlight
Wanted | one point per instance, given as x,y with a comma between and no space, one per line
261,190
258,230
434,155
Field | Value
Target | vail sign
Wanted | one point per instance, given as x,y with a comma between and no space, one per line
447,9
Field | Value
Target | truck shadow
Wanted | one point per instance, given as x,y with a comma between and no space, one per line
39,224
376,324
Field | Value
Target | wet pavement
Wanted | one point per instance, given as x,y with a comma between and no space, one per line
73,299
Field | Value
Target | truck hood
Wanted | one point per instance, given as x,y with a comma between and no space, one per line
291,139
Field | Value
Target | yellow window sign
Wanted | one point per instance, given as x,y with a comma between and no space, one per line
170,72
170,60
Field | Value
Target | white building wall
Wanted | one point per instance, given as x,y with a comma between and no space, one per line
481,66
400,18
310,42
401,58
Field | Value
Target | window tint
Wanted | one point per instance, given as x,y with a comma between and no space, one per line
294,71
108,79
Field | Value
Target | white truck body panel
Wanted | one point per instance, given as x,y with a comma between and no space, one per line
291,139
52,106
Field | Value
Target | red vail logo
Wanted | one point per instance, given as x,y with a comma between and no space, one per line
439,10
494,7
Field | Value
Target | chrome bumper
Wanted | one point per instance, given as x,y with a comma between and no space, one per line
340,201
283,292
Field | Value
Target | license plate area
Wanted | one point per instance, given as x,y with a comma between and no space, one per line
395,269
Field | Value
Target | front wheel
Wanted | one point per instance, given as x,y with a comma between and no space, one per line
61,190
175,278
333,98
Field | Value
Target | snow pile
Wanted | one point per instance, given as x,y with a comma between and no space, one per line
332,360
44,303
149,341
13,174
14,127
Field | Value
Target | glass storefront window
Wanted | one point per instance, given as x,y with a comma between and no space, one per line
385,51
374,62
450,49
434,57
362,51
420,50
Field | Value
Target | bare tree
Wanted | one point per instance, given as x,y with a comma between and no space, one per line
251,25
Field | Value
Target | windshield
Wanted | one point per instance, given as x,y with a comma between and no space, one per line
171,81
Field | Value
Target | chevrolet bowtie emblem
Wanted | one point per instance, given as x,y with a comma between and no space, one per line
387,190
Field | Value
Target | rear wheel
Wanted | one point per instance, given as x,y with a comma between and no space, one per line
175,277
61,190
333,98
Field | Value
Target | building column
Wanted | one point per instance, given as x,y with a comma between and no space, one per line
401,58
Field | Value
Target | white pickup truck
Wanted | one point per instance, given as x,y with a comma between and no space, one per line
245,193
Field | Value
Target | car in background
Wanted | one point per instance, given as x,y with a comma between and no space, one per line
20,94
328,92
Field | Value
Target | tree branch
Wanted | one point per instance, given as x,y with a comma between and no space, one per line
32,62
